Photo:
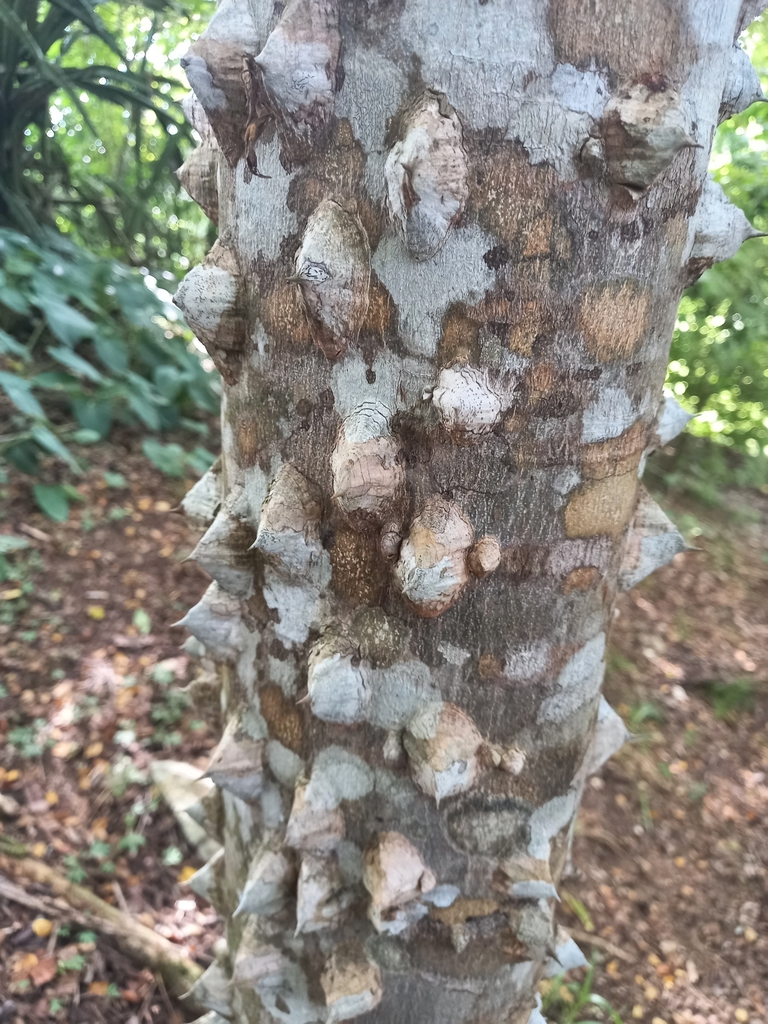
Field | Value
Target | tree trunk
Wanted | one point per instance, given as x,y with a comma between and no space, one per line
453,237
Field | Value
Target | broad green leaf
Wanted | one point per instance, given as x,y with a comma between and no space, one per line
10,543
25,456
169,458
19,392
48,440
116,480
142,621
200,459
168,381
86,436
52,500
57,380
112,352
67,324
75,363
146,411
93,415
72,492
9,345
15,300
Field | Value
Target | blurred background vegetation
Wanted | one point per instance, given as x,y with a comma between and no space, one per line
95,233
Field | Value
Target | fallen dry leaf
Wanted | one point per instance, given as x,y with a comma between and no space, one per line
44,971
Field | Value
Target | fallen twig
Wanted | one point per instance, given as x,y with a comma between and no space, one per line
143,944
595,940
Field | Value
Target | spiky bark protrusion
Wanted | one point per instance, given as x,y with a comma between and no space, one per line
453,240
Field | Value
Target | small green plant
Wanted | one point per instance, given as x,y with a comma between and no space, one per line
570,1002
132,842
172,855
26,739
73,963
729,700
75,872
169,710
645,712
124,774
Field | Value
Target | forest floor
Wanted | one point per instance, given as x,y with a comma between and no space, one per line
669,892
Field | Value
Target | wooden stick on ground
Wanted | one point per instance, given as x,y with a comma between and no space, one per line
142,944
596,940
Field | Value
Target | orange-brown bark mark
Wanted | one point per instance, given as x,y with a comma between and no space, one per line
283,719
614,318
514,200
360,574
651,39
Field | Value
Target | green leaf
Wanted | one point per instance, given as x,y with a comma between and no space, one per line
19,392
112,352
579,910
15,301
75,363
200,459
116,480
93,415
86,436
132,841
52,500
48,440
25,456
9,346
172,855
66,323
72,493
169,458
146,411
10,543
142,621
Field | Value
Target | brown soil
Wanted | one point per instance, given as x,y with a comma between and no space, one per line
671,859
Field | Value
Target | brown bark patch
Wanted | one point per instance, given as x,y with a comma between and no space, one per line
613,318
616,456
601,506
379,314
255,420
518,320
489,666
248,441
652,40
511,198
459,340
282,314
282,717
462,909
580,579
539,240
358,570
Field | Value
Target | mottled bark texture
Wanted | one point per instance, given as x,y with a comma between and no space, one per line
453,237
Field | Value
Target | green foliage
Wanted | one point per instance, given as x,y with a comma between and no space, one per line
89,93
94,344
75,871
719,358
25,738
571,1002
731,699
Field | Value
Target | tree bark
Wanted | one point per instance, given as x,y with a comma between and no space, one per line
453,237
